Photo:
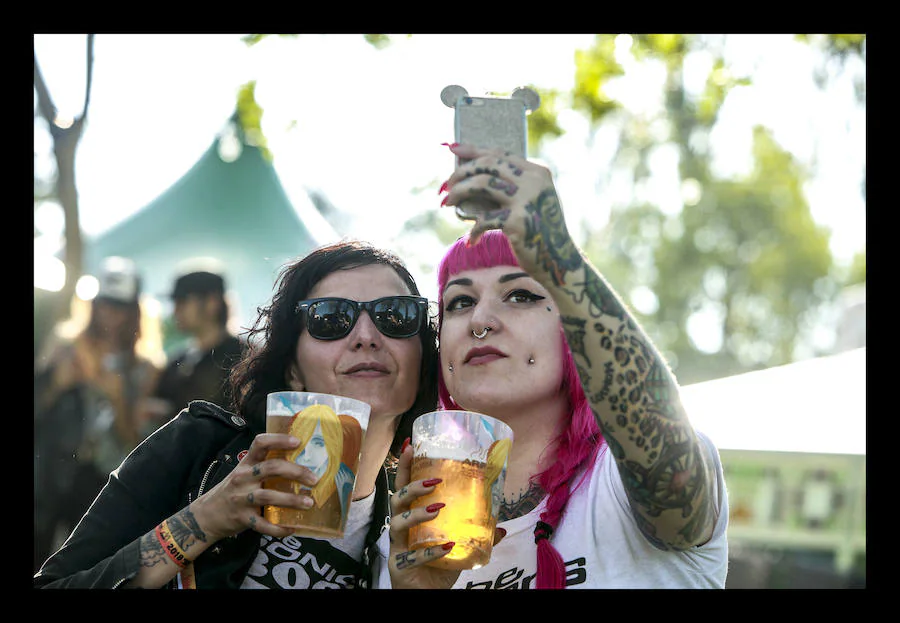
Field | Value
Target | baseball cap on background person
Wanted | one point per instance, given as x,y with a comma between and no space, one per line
119,281
198,282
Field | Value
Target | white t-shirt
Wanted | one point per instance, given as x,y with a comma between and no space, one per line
601,544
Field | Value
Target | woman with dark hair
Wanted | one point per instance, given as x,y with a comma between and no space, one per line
608,485
185,508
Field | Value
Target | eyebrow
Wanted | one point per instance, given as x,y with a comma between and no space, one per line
512,276
503,279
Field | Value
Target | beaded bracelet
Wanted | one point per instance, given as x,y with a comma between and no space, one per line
168,543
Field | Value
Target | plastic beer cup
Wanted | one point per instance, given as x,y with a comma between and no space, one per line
331,430
468,451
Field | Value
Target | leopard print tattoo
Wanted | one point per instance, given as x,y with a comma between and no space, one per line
632,391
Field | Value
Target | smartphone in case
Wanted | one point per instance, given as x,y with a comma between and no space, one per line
492,122
487,122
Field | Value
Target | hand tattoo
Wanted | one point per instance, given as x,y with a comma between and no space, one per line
405,560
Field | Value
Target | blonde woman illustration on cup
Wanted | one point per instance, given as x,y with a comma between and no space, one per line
496,463
329,447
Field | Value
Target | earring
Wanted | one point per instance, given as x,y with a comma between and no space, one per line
531,361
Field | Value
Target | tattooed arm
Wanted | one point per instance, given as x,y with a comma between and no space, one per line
112,546
180,531
664,466
227,509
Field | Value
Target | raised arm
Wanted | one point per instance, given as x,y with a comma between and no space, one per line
665,467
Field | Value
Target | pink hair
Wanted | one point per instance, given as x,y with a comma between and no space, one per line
576,446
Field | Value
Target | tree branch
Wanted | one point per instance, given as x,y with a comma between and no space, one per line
90,75
45,103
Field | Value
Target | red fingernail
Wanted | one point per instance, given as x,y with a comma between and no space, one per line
405,445
433,508
431,482
442,188
450,145
444,201
448,546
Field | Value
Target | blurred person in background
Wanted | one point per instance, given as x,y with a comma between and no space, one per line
87,414
199,371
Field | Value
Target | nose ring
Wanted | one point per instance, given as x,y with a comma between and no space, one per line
483,333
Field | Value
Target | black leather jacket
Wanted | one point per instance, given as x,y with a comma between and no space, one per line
183,459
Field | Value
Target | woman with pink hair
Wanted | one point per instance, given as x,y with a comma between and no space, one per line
608,485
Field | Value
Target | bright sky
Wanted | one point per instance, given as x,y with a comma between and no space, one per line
370,122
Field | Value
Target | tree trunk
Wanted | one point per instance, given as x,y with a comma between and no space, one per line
65,144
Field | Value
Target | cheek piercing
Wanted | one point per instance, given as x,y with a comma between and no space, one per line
451,368
549,308
531,361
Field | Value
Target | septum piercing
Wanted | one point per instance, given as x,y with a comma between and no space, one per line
481,335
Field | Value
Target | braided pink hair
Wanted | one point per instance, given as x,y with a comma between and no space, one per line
576,446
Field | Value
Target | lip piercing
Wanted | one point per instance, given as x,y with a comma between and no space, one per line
483,333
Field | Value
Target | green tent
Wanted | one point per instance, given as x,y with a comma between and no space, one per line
232,209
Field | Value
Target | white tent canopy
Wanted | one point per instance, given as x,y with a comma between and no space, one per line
816,405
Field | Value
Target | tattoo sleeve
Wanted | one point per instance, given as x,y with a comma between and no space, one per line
631,389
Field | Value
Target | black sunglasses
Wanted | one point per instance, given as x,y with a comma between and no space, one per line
333,318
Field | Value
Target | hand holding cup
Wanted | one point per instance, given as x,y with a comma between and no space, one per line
450,483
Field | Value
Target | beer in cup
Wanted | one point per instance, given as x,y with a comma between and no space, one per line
468,451
331,431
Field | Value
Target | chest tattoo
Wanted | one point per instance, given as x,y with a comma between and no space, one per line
523,504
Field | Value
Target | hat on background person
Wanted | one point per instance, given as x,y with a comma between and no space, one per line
119,280
198,282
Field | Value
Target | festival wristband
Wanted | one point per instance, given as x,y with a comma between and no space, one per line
168,543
